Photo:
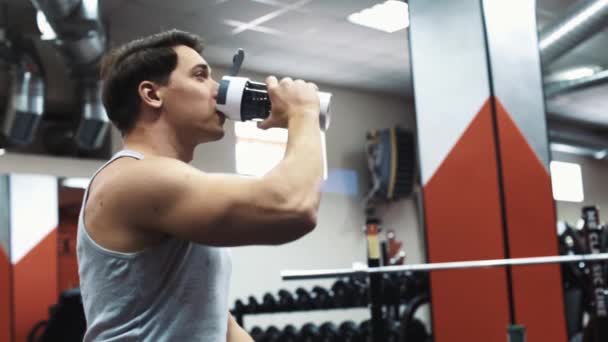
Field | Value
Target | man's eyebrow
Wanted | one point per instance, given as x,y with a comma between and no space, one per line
202,66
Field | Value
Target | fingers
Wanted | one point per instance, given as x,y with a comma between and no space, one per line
286,81
271,81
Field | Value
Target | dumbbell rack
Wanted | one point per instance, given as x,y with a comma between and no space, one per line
392,291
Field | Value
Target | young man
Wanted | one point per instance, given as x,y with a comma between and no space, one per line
152,227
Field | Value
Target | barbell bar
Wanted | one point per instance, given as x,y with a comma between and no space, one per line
344,272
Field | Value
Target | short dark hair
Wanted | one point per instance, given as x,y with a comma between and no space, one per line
125,67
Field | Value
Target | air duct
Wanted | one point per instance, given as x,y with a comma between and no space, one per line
25,105
94,124
575,139
80,33
555,88
580,22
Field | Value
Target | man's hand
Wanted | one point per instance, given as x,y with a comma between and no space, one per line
235,332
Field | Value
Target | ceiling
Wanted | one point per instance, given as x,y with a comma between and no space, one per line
308,39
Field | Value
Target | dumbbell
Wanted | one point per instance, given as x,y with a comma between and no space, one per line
349,332
303,300
286,301
272,334
329,333
256,333
309,333
391,290
365,330
393,331
269,303
405,285
343,294
253,306
415,331
321,298
240,307
421,282
360,292
289,334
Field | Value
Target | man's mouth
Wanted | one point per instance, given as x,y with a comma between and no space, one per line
221,115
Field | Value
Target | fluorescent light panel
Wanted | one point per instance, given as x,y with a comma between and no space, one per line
390,16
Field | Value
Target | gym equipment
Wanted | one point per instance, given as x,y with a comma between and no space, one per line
365,330
321,299
309,333
349,332
67,321
597,278
415,331
286,301
289,334
328,332
240,307
241,99
303,299
343,293
272,334
332,273
269,303
257,333
412,328
391,160
253,306
360,291
393,331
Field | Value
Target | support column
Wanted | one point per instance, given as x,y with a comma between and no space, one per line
6,322
529,210
33,230
484,161
459,168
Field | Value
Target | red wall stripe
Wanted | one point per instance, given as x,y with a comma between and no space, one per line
531,229
5,296
463,222
35,289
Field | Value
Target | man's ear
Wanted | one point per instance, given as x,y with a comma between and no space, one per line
149,93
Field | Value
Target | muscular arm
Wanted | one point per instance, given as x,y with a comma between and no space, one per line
172,197
235,332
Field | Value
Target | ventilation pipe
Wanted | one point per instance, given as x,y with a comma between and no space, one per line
95,123
82,40
80,33
577,139
25,104
581,21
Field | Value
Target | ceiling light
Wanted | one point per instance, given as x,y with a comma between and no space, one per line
390,16
45,28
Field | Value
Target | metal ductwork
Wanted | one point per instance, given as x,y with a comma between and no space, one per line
94,124
556,88
77,24
570,138
25,105
581,21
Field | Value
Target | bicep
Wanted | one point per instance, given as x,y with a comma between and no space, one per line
218,209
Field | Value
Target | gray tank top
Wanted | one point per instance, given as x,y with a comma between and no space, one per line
174,291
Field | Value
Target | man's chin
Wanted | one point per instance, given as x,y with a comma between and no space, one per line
213,136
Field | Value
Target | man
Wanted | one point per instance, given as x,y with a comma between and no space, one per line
152,228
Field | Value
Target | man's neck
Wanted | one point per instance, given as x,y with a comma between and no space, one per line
163,145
